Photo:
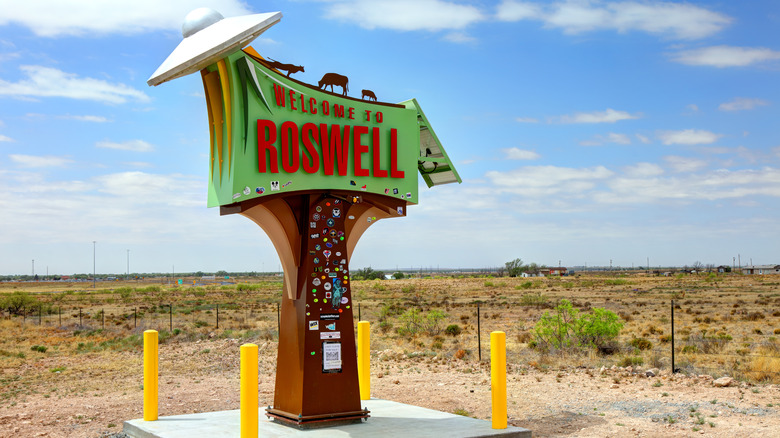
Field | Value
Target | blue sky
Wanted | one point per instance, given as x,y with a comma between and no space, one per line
585,131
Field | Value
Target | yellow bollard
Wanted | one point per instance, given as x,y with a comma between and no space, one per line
364,360
150,375
249,396
498,378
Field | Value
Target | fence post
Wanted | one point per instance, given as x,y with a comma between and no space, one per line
135,317
249,397
170,317
479,336
150,375
217,315
359,317
498,379
672,336
79,316
24,315
40,314
364,360
103,319
59,310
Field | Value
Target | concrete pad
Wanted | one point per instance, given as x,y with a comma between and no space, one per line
388,419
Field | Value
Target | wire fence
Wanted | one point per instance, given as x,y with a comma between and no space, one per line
716,354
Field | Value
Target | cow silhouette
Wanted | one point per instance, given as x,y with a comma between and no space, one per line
334,79
370,94
289,68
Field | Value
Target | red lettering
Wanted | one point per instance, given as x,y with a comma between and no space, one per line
290,152
368,115
352,113
266,137
359,149
279,94
333,147
311,162
292,101
378,116
338,110
394,172
378,172
313,105
325,108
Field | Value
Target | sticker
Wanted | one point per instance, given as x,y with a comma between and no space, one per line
329,245
274,186
315,236
260,190
329,317
387,191
363,188
324,231
312,224
331,222
314,325
237,195
317,282
369,220
319,209
327,204
327,294
312,252
331,326
332,275
330,335
344,300
316,260
327,286
400,211
287,184
331,357
338,254
352,183
326,253
395,191
341,234
357,199
247,190
336,212
316,216
408,195
337,201
350,217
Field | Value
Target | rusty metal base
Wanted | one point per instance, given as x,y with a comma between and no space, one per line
316,421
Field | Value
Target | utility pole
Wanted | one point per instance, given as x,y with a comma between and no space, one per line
33,268
93,264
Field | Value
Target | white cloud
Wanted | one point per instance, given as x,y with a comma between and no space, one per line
5,138
520,154
684,164
693,107
405,15
681,21
608,116
459,37
130,145
643,170
741,104
688,137
87,118
39,161
643,138
526,120
547,180
726,56
50,82
87,17
609,138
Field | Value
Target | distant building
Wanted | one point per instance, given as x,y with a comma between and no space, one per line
559,271
723,269
761,269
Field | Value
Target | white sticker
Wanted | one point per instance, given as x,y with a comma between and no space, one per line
330,335
331,356
314,325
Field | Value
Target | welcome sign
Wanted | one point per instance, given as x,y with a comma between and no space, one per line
278,135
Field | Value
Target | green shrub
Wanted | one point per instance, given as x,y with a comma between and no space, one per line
641,344
565,327
39,348
533,299
453,330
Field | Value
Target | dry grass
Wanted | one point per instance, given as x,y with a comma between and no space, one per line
728,326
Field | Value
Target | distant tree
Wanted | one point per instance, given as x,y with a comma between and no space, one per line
531,268
398,275
514,267
370,274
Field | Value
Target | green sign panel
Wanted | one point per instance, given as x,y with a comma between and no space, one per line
273,135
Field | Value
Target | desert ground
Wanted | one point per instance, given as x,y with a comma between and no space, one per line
71,361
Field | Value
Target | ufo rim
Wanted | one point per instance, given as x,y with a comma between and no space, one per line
208,45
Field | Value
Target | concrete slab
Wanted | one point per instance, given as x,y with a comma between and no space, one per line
388,419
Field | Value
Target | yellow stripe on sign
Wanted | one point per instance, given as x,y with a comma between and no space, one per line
224,80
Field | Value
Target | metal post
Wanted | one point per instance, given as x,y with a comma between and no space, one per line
79,316
40,314
359,318
60,312
151,366
248,397
170,317
103,319
672,336
479,336
217,315
135,317
498,379
364,360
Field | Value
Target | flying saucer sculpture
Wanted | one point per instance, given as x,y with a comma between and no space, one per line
208,37
314,169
